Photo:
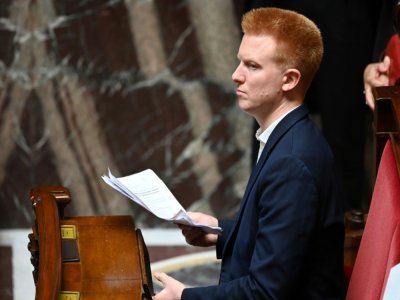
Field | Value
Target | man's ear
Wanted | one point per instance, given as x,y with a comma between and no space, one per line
290,79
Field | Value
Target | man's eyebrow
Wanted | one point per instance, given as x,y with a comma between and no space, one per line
249,60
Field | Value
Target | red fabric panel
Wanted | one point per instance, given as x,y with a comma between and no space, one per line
380,245
392,50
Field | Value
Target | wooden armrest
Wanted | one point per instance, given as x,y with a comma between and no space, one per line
45,242
387,121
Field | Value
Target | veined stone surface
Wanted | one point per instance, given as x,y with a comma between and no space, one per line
88,85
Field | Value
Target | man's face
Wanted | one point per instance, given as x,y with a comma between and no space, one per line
258,78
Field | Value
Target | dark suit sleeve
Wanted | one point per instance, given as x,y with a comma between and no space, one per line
226,226
287,207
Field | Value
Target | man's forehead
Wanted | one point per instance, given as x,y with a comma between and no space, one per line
258,38
252,45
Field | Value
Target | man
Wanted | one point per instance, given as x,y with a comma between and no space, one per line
286,241
336,93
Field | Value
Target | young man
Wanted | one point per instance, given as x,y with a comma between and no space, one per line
286,241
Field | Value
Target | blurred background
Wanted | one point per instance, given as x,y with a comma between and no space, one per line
126,85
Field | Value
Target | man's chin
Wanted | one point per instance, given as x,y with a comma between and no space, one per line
247,107
243,105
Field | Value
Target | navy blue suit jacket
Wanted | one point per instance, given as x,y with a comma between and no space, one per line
286,241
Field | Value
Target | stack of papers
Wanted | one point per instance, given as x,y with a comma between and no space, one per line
149,191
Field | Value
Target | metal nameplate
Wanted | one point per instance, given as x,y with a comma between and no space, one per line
69,295
68,232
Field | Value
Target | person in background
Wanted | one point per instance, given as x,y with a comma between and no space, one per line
387,71
286,241
375,74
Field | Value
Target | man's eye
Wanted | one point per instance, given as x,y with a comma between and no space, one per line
252,66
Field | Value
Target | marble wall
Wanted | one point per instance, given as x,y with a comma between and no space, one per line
88,85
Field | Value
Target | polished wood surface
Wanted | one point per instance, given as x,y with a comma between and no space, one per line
47,203
106,258
387,121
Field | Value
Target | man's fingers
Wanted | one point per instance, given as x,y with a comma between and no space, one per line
184,227
192,234
161,277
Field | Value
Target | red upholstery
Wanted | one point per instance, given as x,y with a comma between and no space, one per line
380,245
392,50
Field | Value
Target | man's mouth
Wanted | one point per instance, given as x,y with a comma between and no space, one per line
239,92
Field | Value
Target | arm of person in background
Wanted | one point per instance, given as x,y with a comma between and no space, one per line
196,237
375,74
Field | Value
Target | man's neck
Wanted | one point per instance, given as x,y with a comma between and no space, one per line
265,121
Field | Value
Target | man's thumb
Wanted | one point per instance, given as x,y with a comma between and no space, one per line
160,276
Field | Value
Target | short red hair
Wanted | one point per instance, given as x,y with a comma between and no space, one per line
299,41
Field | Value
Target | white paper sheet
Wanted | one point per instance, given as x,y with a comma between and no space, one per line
149,191
392,289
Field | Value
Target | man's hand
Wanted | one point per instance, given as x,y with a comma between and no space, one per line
172,288
375,74
196,236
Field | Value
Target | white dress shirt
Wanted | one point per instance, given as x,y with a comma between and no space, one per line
263,137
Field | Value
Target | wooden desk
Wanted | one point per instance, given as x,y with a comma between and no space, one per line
88,257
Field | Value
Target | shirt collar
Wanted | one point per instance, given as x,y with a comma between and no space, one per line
264,136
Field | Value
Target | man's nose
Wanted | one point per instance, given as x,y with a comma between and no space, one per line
237,76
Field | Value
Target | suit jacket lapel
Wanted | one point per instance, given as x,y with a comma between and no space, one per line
283,126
